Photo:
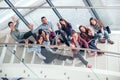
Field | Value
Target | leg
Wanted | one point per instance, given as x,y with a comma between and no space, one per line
92,45
63,57
28,34
96,36
64,39
31,42
82,59
106,35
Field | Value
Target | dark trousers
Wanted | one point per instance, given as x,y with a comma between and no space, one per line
27,35
92,45
51,56
65,40
81,58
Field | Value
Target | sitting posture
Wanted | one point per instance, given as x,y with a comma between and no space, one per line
78,42
100,29
17,35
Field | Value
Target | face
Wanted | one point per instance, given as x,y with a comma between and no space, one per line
93,21
44,20
90,33
75,36
11,25
43,34
62,22
40,40
82,29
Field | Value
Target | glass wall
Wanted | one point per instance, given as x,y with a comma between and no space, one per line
76,16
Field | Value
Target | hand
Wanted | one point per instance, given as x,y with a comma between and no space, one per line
14,19
26,41
72,45
47,36
49,28
58,25
31,26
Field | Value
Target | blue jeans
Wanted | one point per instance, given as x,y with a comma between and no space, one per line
106,34
96,36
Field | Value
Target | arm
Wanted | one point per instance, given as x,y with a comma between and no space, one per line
15,21
37,29
15,38
58,25
17,24
83,42
52,27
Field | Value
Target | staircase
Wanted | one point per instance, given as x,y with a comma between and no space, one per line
15,62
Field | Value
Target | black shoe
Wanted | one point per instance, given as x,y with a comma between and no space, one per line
100,53
110,41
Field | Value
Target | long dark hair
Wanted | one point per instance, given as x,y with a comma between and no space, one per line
40,34
67,23
97,21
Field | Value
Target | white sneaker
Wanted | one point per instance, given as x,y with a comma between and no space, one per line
41,56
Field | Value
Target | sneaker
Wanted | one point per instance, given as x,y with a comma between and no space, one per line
110,41
100,53
41,56
89,65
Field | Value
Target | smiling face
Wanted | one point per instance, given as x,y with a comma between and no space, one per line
43,34
75,36
93,22
62,22
11,25
44,20
82,29
40,40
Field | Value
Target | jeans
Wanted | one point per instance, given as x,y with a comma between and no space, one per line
81,58
50,56
92,45
106,34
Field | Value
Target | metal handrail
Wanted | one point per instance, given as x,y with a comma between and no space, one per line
64,7
55,46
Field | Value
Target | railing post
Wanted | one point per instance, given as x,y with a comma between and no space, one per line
63,63
106,63
85,56
95,61
13,56
23,56
33,58
4,50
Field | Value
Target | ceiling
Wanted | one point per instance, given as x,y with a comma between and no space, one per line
76,16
